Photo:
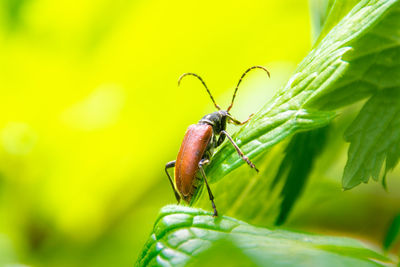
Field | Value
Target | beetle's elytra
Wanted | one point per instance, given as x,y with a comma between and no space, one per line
198,146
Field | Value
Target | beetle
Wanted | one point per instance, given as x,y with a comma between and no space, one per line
198,146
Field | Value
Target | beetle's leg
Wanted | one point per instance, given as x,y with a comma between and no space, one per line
236,122
251,164
221,139
201,163
248,119
171,164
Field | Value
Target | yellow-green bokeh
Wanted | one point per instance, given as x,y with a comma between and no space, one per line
91,111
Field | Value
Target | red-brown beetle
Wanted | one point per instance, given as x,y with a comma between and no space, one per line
198,146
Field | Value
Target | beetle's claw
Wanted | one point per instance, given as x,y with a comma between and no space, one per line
251,164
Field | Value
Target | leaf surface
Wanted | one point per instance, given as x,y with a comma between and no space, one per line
183,235
358,57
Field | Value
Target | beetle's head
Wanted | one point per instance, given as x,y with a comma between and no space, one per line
217,120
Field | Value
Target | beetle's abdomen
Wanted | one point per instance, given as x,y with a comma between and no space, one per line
191,152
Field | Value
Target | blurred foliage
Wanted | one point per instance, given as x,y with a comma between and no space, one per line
296,166
393,233
91,113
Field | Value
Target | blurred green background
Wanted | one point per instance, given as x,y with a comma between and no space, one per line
91,112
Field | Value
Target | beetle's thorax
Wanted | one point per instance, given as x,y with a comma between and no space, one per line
216,119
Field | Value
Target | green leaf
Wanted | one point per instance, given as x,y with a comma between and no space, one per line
374,137
358,57
393,233
326,14
319,11
296,166
183,235
222,253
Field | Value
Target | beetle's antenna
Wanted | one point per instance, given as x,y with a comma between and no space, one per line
244,74
198,77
